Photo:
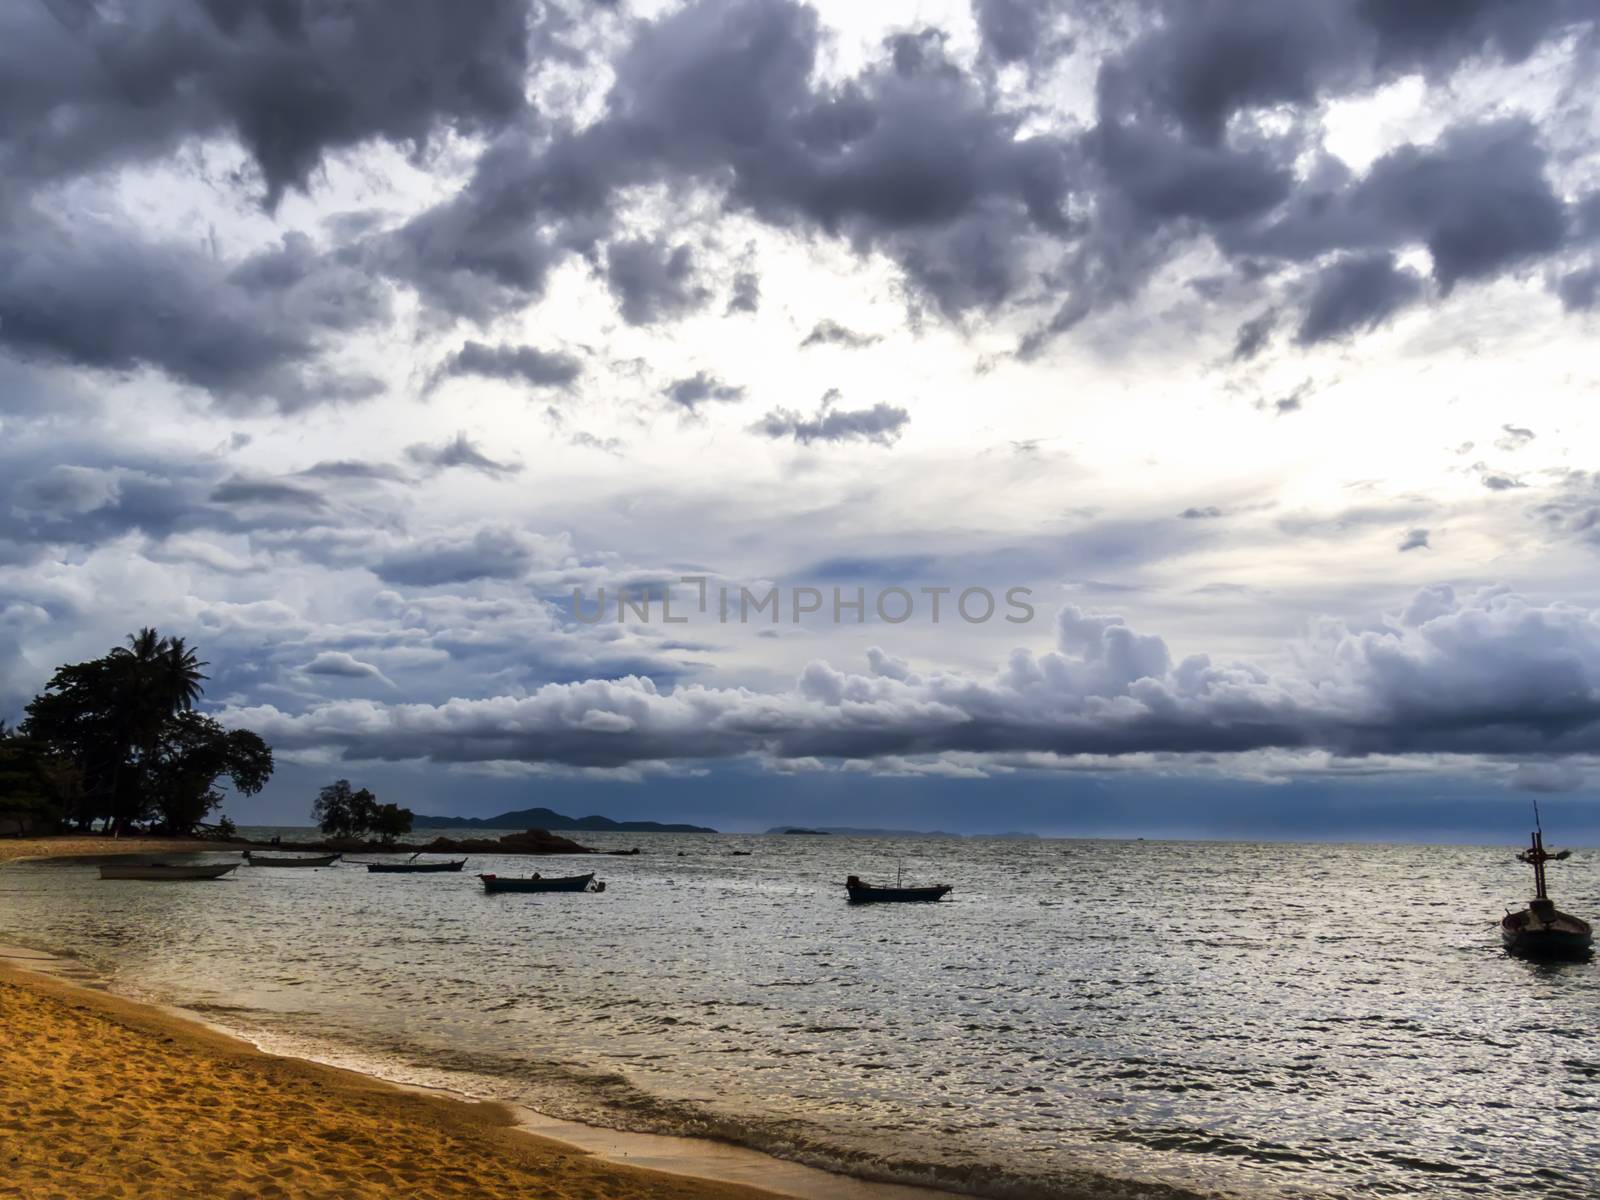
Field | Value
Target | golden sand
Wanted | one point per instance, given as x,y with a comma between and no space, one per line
102,1097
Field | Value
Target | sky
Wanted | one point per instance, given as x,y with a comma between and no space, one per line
1221,371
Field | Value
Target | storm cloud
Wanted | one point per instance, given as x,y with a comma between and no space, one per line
1487,674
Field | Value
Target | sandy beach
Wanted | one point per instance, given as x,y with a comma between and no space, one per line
105,1097
13,849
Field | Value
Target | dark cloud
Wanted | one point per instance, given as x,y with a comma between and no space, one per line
354,469
830,333
101,296
697,389
910,157
1021,30
65,492
1486,675
1495,481
1357,293
524,364
1208,512
1573,509
459,451
94,84
746,295
1253,336
881,424
652,281
1579,289
241,490
1416,539
1479,199
1166,178
487,554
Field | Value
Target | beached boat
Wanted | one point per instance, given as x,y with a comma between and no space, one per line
166,870
542,883
415,868
867,893
1540,931
273,860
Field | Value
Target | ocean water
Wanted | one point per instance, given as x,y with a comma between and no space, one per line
1078,1019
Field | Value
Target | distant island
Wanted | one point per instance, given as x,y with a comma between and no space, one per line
544,818
854,831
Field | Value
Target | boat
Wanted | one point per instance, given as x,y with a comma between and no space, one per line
867,893
415,868
273,860
541,883
1540,931
166,870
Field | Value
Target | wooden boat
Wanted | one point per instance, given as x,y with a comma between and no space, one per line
166,870
415,868
540,883
272,860
866,893
1540,931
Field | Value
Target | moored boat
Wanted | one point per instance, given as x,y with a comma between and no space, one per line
415,868
867,893
541,883
166,870
272,860
1540,930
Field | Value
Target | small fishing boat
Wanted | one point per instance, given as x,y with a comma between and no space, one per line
541,883
415,868
1540,931
274,860
166,870
867,893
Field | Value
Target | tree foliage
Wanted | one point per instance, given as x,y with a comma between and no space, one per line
120,739
343,813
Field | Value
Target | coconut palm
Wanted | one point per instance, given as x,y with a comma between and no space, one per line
179,676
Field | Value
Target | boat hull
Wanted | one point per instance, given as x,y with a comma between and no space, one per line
865,893
565,883
432,868
165,871
321,860
1560,936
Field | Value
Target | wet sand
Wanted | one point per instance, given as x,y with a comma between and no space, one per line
12,849
106,1097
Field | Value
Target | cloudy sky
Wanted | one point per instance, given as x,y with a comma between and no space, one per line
1255,341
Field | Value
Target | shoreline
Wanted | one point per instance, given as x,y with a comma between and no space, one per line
124,1098
700,1168
89,845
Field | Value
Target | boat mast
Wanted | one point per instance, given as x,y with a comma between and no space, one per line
1536,855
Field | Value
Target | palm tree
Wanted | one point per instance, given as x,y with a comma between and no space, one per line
179,675
153,678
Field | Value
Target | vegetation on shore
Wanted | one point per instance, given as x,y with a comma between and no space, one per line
116,741
345,814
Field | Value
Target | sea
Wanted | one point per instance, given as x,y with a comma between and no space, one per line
1078,1019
